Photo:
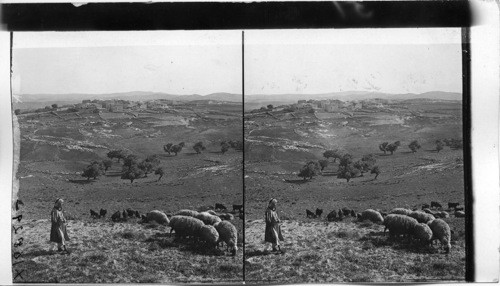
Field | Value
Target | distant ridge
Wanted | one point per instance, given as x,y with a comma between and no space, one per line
133,95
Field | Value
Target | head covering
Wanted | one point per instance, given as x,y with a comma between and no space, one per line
58,203
272,204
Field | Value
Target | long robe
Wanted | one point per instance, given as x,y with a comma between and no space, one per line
273,228
58,231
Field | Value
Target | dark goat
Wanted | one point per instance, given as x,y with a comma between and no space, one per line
332,216
238,208
93,214
137,215
436,205
453,205
426,206
319,212
353,213
346,211
310,214
116,216
220,206
130,212
103,212
144,218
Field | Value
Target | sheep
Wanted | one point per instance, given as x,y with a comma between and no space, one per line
211,212
319,212
207,218
401,211
190,213
238,208
398,224
220,207
453,205
116,216
441,231
428,211
158,216
459,214
346,211
442,214
372,215
103,212
435,205
422,232
137,215
421,216
310,214
353,213
228,234
209,234
130,212
332,216
185,226
426,206
226,216
93,214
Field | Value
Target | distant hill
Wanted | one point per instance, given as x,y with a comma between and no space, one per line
253,100
40,100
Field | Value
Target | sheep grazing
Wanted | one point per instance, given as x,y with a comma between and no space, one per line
435,205
158,216
353,213
190,213
207,218
319,212
421,216
93,214
116,216
453,205
238,208
346,211
130,212
459,214
441,231
220,207
103,212
211,212
426,206
332,216
228,234
442,214
310,214
209,235
428,211
372,215
401,211
398,224
226,216
422,232
185,226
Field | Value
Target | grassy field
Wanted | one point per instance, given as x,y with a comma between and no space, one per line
278,146
54,152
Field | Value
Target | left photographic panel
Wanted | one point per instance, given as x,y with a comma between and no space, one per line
128,157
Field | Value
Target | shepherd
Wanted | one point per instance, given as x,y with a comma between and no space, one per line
58,233
273,227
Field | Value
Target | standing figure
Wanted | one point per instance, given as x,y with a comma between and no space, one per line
58,231
273,228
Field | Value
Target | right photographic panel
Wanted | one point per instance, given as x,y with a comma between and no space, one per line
354,156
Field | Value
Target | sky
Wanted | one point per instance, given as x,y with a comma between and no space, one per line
203,62
376,60
175,62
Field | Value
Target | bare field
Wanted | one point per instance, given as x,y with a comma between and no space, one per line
318,251
54,152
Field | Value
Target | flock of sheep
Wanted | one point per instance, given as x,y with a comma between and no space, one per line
207,226
425,225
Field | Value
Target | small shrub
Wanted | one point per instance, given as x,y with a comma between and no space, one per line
348,234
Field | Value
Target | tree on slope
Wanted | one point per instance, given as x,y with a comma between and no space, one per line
149,164
347,172
224,147
323,164
332,154
119,154
439,145
167,148
414,146
198,147
393,147
309,170
107,164
376,171
176,149
94,170
159,171
383,147
131,173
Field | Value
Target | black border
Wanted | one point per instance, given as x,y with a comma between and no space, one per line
219,15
